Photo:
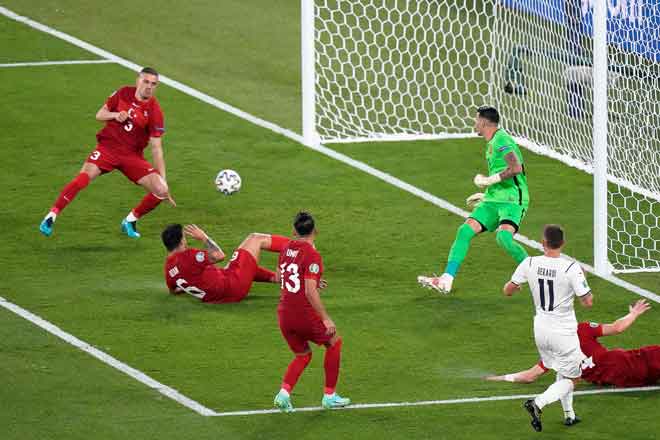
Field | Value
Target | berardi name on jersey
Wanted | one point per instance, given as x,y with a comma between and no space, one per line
545,272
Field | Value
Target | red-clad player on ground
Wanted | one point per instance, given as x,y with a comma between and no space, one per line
133,119
194,271
621,368
302,316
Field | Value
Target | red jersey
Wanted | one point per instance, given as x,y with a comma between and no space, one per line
192,272
298,262
145,120
623,368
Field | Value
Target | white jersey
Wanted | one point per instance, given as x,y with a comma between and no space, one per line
553,283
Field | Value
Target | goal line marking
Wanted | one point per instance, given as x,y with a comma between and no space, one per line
55,63
173,394
106,358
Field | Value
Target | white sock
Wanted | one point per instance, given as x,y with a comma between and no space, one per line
51,215
329,396
566,402
554,392
285,392
131,217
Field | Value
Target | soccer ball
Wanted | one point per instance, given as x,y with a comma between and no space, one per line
228,182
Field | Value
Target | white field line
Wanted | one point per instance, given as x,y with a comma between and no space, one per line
298,138
335,155
55,63
436,402
107,359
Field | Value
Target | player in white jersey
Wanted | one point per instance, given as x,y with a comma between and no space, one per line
554,282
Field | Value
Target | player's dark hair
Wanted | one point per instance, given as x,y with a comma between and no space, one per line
489,113
554,236
303,223
172,236
149,70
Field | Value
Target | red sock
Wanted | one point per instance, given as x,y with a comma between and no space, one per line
264,275
278,242
70,191
148,203
295,369
331,365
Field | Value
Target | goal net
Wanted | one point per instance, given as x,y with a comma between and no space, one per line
418,69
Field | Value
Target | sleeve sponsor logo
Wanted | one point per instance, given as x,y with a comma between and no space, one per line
503,148
199,256
314,268
593,324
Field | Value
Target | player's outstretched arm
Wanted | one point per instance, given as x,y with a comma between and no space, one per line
314,298
622,324
214,251
526,376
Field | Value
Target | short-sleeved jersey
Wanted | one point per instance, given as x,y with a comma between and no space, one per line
513,189
553,283
298,261
192,272
589,332
145,120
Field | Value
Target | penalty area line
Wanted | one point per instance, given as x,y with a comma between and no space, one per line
107,359
322,149
55,63
435,402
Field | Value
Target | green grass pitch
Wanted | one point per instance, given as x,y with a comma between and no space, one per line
401,343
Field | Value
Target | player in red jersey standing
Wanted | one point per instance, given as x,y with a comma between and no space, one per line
193,270
133,119
621,368
302,316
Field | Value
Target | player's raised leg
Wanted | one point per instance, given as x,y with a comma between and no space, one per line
88,172
459,249
157,192
331,365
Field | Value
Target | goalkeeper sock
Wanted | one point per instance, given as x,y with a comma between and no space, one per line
459,249
505,240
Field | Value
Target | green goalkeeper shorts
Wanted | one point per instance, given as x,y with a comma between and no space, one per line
493,214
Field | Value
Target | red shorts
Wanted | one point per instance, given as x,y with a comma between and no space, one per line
299,329
240,272
132,165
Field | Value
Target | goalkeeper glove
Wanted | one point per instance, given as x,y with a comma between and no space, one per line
482,181
474,199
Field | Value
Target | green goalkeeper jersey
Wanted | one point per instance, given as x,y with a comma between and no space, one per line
513,189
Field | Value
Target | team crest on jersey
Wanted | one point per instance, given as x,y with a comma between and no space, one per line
593,324
199,256
314,268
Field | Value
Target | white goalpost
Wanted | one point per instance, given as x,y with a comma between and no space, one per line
575,80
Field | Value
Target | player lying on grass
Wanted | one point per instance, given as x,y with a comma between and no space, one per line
132,119
554,282
618,367
500,209
194,271
302,315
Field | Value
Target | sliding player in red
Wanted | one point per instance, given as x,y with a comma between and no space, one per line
621,368
303,317
133,119
194,272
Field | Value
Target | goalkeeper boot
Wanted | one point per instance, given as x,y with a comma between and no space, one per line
535,413
46,226
334,401
130,228
442,284
283,402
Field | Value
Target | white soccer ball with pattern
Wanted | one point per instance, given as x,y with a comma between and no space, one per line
228,182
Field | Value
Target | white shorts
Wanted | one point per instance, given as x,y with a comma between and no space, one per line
559,348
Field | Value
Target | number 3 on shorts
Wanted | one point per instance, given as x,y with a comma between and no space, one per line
95,155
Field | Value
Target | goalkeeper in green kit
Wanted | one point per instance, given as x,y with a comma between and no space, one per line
500,208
